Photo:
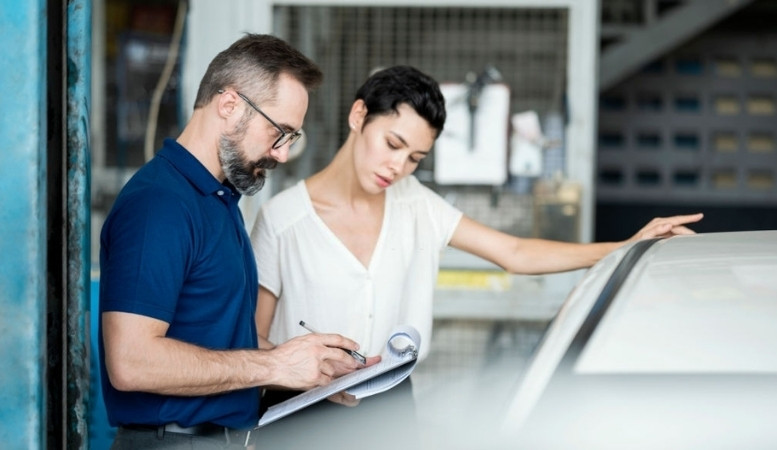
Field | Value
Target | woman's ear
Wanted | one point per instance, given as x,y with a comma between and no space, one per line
357,115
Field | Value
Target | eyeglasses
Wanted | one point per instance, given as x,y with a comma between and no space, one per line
285,137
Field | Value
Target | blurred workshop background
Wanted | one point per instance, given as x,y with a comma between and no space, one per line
579,120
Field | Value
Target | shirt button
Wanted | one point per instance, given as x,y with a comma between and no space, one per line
220,193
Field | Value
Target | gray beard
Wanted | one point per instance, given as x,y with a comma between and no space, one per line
245,175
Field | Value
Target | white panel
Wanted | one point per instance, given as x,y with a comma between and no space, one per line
526,145
470,152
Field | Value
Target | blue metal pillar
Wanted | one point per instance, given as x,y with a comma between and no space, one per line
44,223
22,224
78,99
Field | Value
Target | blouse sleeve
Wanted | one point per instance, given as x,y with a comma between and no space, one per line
444,216
266,251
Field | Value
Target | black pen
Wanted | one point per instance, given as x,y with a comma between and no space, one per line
355,355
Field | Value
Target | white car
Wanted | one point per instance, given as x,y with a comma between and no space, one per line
664,344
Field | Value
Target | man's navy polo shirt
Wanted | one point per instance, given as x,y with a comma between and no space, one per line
174,247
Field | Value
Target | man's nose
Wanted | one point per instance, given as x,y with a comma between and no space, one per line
281,154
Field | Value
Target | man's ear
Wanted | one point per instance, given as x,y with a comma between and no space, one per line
226,103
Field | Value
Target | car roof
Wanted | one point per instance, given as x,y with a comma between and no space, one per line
699,304
704,303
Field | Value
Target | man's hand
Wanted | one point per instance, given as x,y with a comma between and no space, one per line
305,362
344,370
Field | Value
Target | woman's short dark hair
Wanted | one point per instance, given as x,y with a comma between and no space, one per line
252,64
386,89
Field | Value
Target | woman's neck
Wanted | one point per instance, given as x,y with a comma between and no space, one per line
338,183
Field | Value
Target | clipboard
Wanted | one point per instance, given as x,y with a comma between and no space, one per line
397,363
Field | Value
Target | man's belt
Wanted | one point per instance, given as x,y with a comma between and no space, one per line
209,430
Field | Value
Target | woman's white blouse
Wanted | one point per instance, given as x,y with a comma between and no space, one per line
318,280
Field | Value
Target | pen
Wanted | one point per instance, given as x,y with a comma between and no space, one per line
357,356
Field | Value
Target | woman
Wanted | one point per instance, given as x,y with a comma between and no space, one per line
355,248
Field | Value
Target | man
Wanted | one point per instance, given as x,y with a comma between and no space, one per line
179,355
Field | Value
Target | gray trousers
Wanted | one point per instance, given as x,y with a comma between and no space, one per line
133,439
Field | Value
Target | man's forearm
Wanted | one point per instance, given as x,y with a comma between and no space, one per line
172,367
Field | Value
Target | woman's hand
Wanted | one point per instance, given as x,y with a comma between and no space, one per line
344,399
662,227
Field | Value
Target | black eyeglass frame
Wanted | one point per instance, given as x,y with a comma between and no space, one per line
285,136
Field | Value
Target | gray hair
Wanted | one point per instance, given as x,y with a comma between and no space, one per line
252,65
